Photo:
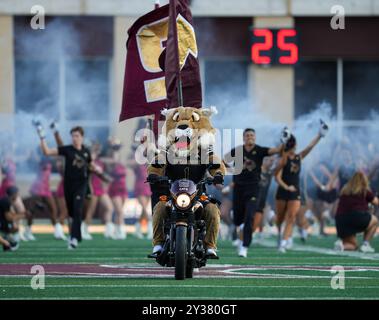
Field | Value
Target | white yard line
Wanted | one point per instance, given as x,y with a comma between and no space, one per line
190,298
177,286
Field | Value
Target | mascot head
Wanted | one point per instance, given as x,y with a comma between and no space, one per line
187,129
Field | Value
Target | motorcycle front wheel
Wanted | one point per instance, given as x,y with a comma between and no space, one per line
180,252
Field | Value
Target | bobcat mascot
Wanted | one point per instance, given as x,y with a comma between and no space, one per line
186,151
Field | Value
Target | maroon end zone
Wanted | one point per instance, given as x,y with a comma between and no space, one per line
150,271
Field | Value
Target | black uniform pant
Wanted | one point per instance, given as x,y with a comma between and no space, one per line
75,197
245,200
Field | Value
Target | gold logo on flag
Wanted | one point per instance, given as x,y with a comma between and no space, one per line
150,43
187,40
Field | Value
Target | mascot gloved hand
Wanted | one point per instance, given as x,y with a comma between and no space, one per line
324,128
40,130
286,134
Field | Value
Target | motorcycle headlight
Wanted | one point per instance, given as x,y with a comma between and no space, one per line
183,201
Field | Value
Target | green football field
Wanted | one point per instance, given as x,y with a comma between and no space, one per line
109,269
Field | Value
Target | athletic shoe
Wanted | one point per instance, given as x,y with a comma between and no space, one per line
258,237
242,252
338,245
138,232
289,244
156,251
211,253
58,232
109,230
21,235
282,249
13,246
366,248
120,233
236,243
84,230
72,244
303,235
28,234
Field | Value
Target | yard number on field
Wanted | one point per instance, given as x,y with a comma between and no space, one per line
338,280
38,280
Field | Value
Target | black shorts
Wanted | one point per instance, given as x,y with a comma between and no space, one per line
244,197
351,223
285,195
327,196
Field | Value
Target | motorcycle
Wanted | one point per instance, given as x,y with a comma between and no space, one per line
184,228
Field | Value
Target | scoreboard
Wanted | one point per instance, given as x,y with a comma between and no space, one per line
274,46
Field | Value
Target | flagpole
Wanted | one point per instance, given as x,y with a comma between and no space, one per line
180,87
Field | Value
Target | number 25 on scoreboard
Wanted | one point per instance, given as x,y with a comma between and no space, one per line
274,46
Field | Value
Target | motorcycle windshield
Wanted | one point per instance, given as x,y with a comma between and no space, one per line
183,186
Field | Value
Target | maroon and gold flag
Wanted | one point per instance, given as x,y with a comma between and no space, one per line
156,55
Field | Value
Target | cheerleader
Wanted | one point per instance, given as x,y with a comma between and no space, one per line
99,197
40,191
8,174
287,175
117,188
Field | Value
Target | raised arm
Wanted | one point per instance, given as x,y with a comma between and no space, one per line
309,148
41,133
57,136
46,150
323,130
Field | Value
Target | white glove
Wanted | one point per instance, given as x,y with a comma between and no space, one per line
286,134
54,126
39,128
323,128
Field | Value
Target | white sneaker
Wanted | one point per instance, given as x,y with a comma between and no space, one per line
289,244
138,232
338,245
366,248
211,252
85,234
28,234
282,249
242,252
109,230
157,248
23,237
21,233
58,232
304,234
237,243
120,233
72,244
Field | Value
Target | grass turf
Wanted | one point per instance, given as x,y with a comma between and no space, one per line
276,283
